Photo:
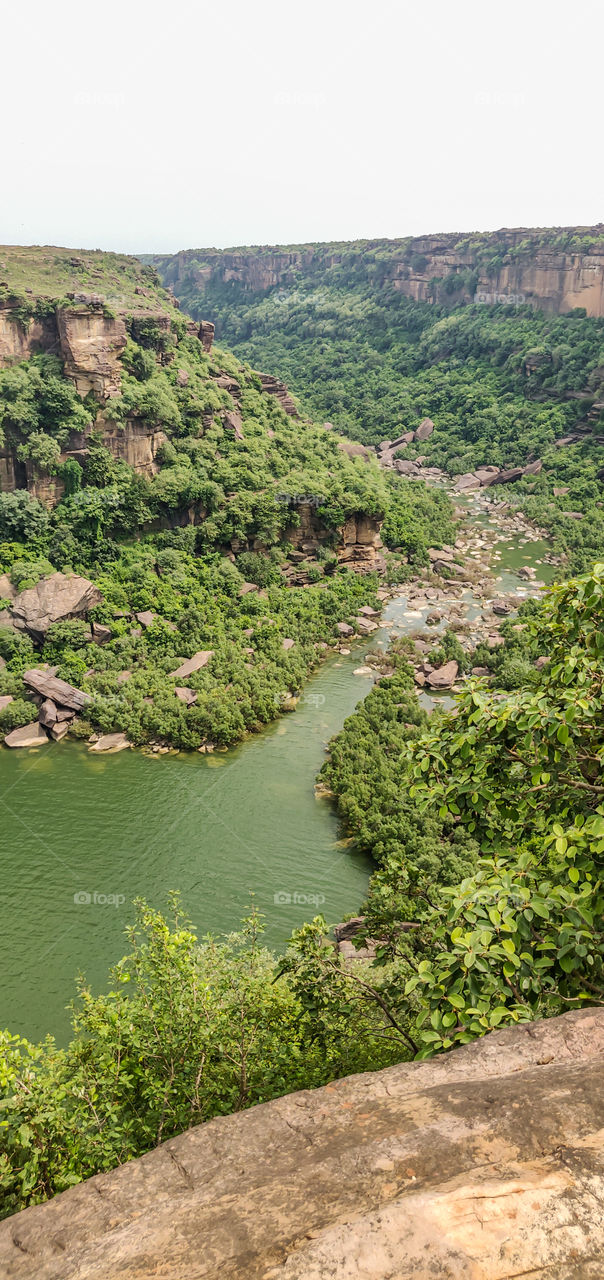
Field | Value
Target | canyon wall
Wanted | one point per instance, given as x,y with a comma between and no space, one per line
555,269
486,1162
89,340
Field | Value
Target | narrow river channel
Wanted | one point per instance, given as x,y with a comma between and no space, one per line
74,826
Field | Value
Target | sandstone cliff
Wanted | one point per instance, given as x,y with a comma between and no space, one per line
556,269
484,1164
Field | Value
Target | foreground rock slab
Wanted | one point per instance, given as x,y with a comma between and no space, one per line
484,1164
110,742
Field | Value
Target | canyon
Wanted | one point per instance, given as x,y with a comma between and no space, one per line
544,269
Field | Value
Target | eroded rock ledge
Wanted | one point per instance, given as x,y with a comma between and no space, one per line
484,1164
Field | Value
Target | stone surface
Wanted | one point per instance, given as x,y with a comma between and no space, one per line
146,618
110,742
199,660
425,429
31,735
100,633
344,629
58,691
53,599
444,676
365,626
287,643
47,714
5,701
486,1163
188,696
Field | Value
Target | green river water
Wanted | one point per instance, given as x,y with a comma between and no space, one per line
82,835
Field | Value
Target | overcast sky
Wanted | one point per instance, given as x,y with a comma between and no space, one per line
147,127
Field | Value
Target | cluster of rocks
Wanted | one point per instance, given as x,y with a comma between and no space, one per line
58,705
486,477
387,449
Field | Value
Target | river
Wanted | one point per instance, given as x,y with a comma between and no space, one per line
82,835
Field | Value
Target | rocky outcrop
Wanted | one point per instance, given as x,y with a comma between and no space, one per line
135,442
57,691
358,542
274,387
486,1163
206,335
53,599
91,345
485,477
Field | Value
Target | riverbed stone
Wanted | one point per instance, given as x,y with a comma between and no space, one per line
30,735
444,677
110,742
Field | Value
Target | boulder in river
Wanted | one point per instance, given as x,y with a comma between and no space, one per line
365,626
110,742
48,713
53,599
30,735
444,677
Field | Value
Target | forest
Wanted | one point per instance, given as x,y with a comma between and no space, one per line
503,384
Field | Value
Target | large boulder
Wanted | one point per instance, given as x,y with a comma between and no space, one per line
53,599
199,660
485,1163
425,429
444,676
30,735
57,691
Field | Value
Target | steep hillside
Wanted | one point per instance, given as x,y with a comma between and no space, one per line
505,384
192,495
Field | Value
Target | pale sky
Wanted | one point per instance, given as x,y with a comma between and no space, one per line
145,127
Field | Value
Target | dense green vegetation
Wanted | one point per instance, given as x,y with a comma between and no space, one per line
502,384
487,829
182,543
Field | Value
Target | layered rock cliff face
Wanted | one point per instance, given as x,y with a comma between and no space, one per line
90,342
484,1164
555,269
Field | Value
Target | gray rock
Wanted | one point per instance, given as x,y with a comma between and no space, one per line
365,626
100,633
344,629
188,696
48,713
425,429
5,701
59,731
146,618
110,742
